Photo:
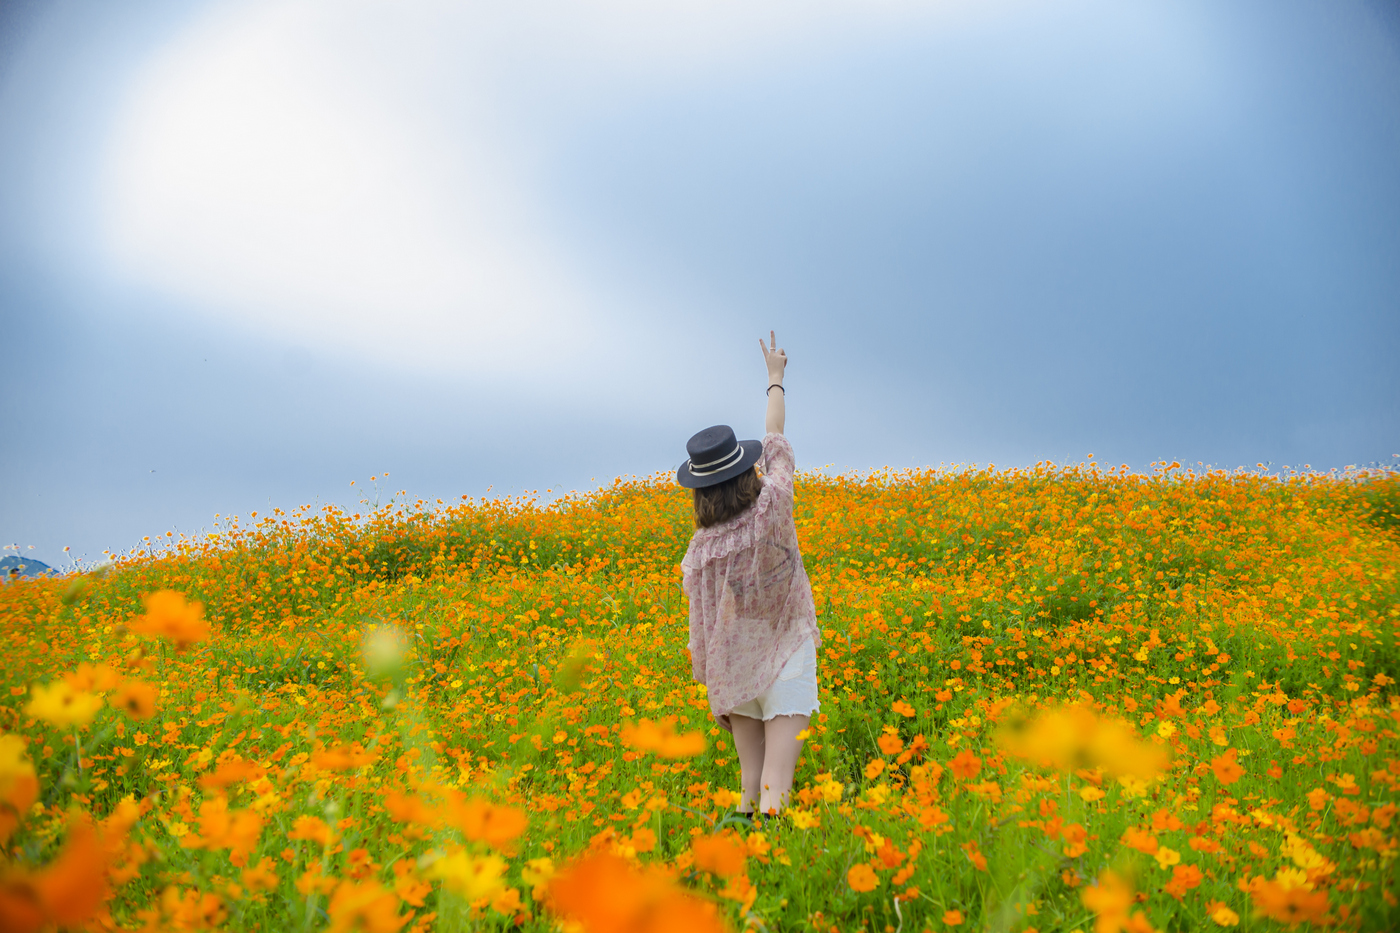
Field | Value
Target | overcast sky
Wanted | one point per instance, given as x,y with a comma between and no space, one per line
251,251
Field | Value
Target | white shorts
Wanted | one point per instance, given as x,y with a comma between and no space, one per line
794,693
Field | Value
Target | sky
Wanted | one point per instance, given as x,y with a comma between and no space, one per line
252,250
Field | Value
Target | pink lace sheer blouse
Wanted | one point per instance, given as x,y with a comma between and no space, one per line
750,600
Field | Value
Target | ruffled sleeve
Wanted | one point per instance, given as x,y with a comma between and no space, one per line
779,464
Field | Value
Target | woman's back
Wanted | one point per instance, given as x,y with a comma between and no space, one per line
750,600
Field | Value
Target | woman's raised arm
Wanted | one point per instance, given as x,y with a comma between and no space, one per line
776,361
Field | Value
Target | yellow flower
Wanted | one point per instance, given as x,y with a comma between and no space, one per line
804,819
1165,729
1090,793
472,876
1071,737
60,704
14,764
19,787
830,789
1167,857
1223,915
536,873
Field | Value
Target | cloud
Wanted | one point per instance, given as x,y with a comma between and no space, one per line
366,178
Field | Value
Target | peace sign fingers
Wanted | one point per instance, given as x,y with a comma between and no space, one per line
773,356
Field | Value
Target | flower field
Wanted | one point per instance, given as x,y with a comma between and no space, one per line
1052,699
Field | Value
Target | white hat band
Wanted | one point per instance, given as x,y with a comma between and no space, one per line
723,463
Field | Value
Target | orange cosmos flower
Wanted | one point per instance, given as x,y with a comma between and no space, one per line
974,855
965,765
1290,905
311,829
137,699
221,828
92,677
192,910
169,616
1221,913
1110,898
862,878
719,855
1075,837
953,918
483,821
366,906
233,771
1184,878
261,877
343,757
642,840
409,808
661,738
1227,769
902,708
604,894
66,892
1140,839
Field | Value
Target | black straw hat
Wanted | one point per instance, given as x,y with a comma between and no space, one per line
716,456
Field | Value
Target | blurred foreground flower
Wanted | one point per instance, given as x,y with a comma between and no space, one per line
662,738
137,699
384,649
58,703
472,876
169,616
483,821
602,893
719,855
1287,902
366,906
19,787
1068,738
97,678
1110,898
579,661
66,892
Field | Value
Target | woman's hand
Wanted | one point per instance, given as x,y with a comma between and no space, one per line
724,724
774,358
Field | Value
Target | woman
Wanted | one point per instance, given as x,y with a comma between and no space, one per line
753,626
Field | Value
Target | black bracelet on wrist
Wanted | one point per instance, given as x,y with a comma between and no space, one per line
776,385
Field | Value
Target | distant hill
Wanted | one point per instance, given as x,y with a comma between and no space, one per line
28,566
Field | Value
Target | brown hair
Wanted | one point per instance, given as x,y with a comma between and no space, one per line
722,501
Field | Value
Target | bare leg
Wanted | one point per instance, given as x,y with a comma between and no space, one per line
748,742
781,748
